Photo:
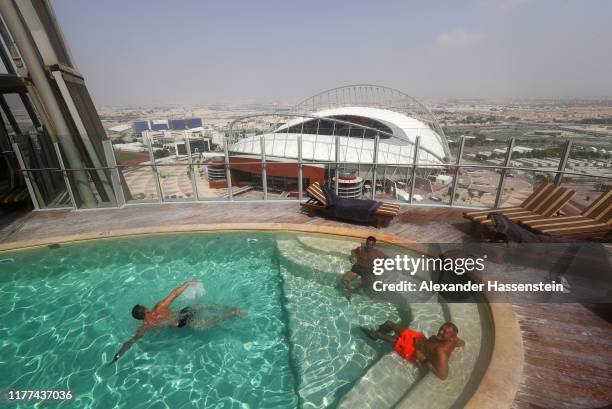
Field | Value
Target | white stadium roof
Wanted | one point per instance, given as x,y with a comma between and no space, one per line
398,149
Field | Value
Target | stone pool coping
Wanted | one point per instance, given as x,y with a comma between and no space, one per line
502,377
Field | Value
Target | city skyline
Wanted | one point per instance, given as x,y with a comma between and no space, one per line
206,53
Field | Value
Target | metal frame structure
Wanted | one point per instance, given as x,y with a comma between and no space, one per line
375,96
41,66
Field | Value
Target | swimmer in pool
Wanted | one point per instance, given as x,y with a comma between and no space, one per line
432,353
162,316
363,257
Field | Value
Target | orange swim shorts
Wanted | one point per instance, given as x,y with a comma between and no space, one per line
404,345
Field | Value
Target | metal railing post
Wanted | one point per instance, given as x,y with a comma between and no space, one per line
228,171
154,168
314,145
194,186
374,164
264,175
502,176
300,165
456,177
415,159
337,170
60,161
359,154
109,153
26,176
563,162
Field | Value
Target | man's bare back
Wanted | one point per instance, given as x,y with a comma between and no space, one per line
435,352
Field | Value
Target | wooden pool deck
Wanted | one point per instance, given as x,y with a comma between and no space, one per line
567,347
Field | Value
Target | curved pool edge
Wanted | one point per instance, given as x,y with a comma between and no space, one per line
97,235
500,382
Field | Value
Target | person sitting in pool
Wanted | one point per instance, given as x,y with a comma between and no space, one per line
413,346
363,258
162,316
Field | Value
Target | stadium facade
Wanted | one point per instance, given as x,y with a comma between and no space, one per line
349,131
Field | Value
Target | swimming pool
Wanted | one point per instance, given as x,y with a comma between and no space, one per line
66,311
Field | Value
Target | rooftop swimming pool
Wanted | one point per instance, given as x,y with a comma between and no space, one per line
65,311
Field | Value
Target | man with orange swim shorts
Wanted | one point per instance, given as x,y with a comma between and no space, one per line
413,346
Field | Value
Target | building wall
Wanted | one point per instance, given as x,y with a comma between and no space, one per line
275,168
140,126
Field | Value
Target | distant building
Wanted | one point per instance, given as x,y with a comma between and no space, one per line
177,124
185,123
140,126
158,137
522,149
175,140
519,149
130,147
195,123
119,131
196,144
159,124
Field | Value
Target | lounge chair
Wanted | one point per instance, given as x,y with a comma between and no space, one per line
595,221
318,203
545,201
16,191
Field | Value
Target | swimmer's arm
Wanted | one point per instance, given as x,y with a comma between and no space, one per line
141,331
459,343
440,366
421,359
350,290
165,303
355,254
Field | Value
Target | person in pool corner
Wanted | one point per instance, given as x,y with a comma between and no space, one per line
162,316
363,258
432,353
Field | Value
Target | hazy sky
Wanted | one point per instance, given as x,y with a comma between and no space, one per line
153,51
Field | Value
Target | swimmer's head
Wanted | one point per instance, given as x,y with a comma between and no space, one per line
371,241
139,311
448,331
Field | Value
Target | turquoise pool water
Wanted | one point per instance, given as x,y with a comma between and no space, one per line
64,313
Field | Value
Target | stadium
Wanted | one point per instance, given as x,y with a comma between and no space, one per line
360,135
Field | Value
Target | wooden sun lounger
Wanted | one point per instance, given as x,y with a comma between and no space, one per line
595,221
317,202
545,201
16,192
15,195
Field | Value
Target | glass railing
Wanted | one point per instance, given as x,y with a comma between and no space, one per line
258,166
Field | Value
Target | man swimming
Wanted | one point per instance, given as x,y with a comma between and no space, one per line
162,316
363,258
432,353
